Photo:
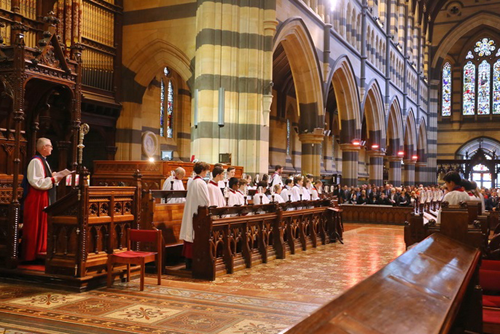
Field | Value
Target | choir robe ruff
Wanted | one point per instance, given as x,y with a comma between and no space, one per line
35,219
215,196
197,195
235,198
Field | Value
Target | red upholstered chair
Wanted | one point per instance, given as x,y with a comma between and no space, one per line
138,257
489,279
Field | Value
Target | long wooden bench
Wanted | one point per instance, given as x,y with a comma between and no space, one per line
232,238
431,288
377,214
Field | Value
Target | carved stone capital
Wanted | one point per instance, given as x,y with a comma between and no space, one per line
350,147
311,138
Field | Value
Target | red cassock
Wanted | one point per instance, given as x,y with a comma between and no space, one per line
34,238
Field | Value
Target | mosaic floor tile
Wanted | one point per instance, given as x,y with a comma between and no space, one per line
199,322
142,314
47,300
254,327
92,306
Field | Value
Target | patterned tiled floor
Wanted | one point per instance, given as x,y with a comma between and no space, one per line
263,300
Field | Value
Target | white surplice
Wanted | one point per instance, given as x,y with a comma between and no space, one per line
215,196
197,195
235,198
176,185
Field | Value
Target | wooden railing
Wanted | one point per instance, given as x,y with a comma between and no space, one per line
380,214
227,239
432,288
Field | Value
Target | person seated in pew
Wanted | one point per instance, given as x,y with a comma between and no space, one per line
383,200
260,197
404,198
197,196
286,192
174,182
297,194
372,199
276,197
491,203
235,197
393,197
214,192
353,199
362,199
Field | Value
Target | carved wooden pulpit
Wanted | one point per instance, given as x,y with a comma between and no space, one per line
88,224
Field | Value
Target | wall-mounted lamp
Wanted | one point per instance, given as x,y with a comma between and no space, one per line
356,142
414,157
375,146
401,153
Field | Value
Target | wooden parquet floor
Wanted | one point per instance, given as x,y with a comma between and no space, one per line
262,300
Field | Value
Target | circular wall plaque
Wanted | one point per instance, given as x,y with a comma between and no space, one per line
149,144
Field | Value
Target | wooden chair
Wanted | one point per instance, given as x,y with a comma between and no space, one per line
138,257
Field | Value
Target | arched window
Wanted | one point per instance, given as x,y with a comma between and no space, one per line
166,105
481,80
446,107
496,87
469,88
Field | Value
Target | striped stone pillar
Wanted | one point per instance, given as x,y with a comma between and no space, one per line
420,173
408,172
350,157
395,171
232,98
311,153
376,168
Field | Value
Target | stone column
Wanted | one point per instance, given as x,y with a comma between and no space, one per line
350,157
311,153
409,172
420,173
376,168
395,171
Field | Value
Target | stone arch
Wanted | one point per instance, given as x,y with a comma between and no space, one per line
461,29
394,127
305,66
160,53
422,141
373,111
347,97
410,139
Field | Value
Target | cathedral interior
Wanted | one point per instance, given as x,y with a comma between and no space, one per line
353,92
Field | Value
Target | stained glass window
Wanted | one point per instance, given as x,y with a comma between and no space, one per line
496,87
483,88
170,110
484,47
470,55
166,105
469,89
162,108
446,102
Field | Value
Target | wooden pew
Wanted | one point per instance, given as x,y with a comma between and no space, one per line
165,217
232,238
377,214
429,289
455,222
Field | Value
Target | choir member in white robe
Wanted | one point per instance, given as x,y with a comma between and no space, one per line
235,197
286,192
260,197
297,194
276,178
215,195
316,190
276,196
197,196
306,190
456,193
174,182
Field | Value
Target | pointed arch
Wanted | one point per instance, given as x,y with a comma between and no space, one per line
461,29
422,141
347,97
373,111
410,139
160,53
304,64
395,127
